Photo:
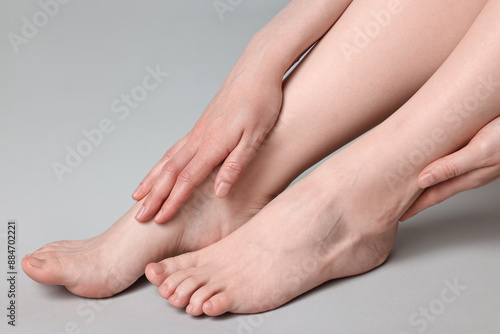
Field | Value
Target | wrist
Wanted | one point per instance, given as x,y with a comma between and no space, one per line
271,52
263,58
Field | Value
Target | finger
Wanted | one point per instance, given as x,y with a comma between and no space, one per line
449,167
147,183
233,167
189,178
444,190
165,182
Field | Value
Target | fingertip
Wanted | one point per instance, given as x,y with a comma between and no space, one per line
137,191
222,189
427,180
404,218
140,214
159,217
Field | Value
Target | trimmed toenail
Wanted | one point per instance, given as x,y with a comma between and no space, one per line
163,290
36,262
158,268
174,297
207,305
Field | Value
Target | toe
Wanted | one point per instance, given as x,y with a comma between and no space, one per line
218,304
169,286
43,270
174,264
155,272
199,297
42,255
185,290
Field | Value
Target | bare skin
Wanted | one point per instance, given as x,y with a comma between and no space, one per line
241,114
341,220
300,138
473,166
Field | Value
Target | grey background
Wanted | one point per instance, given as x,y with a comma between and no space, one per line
64,81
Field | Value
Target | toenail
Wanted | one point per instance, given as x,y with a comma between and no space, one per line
163,290
207,305
189,308
158,268
174,297
36,262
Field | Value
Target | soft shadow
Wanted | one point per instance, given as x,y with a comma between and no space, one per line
57,292
452,231
141,283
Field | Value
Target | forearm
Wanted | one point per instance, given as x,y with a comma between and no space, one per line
276,47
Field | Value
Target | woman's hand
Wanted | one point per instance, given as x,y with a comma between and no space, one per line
230,130
241,114
474,166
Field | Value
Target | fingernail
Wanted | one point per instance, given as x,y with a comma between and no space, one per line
427,180
222,189
140,213
158,216
137,191
36,262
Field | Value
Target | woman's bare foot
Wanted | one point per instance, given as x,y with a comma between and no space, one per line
339,221
110,262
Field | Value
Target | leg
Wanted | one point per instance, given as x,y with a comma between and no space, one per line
300,138
340,220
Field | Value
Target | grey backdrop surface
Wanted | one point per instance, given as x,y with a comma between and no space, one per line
64,80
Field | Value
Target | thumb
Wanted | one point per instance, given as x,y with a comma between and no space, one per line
448,167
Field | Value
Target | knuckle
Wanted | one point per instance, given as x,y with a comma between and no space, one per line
475,181
170,168
234,168
450,170
168,155
483,148
185,176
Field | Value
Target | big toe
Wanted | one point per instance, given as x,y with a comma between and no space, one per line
156,273
46,271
